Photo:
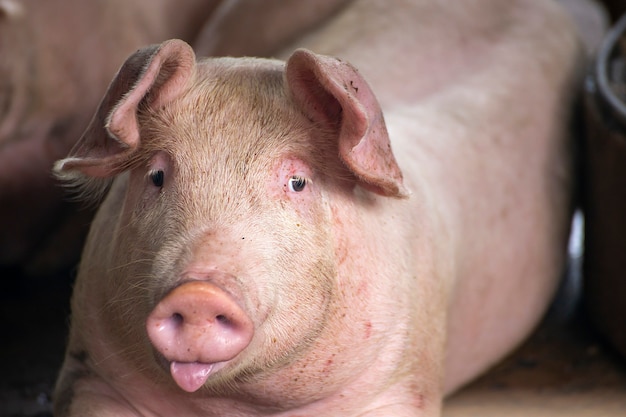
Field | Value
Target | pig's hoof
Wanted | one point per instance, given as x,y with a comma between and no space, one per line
197,327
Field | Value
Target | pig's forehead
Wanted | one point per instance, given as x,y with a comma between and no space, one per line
233,107
254,74
221,64
221,82
244,100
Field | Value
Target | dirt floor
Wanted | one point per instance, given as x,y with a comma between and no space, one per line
563,370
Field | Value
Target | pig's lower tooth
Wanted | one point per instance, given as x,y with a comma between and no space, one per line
190,376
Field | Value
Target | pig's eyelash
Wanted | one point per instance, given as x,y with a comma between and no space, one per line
157,176
297,183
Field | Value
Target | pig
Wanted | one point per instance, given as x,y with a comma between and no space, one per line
56,60
298,237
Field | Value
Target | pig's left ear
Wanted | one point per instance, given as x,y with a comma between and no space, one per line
151,77
333,93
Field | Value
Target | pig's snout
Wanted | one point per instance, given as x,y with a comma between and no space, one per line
197,327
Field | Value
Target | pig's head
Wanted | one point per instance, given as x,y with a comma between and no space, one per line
221,250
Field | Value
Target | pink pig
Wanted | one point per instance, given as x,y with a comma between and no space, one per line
285,238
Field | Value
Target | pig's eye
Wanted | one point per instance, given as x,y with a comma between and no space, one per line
297,184
157,177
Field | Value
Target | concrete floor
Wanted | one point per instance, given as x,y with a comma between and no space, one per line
563,370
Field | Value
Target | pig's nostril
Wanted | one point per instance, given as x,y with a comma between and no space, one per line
222,319
177,319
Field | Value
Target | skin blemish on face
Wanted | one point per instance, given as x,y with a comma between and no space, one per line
368,329
419,401
362,289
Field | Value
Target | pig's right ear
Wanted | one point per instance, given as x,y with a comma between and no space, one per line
152,76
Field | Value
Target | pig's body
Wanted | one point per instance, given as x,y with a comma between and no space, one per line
262,251
480,136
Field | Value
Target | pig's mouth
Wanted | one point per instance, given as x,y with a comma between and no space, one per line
190,376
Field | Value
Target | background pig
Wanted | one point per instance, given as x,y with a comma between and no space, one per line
56,59
262,251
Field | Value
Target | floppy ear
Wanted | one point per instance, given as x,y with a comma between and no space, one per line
333,93
152,76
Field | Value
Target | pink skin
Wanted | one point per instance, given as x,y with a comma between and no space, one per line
355,280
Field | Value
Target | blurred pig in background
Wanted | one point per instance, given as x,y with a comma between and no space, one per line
56,59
